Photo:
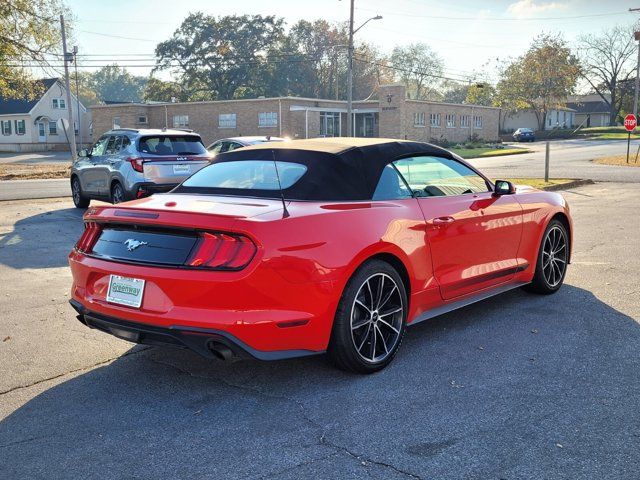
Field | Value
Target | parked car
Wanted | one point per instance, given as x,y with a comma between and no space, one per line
228,144
127,163
333,245
524,135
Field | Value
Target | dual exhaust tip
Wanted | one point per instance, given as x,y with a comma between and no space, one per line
220,351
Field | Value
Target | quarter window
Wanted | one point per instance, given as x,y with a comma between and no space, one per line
180,121
227,120
418,119
434,119
437,177
6,127
267,119
391,186
53,128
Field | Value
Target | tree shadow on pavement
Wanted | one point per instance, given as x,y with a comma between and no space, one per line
43,240
518,386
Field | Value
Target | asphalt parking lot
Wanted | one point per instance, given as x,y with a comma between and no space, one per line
518,386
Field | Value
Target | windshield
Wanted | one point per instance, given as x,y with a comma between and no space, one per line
247,175
171,145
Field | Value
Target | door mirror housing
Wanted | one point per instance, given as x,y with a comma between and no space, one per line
85,152
504,187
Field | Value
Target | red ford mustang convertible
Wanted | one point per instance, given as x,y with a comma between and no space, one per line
311,246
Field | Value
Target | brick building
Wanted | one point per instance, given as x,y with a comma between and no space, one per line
392,116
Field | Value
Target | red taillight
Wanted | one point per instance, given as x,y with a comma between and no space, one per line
223,251
137,163
89,237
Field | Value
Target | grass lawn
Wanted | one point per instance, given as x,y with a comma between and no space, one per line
620,160
29,172
613,136
488,152
539,182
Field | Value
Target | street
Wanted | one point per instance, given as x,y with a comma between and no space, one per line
569,159
518,386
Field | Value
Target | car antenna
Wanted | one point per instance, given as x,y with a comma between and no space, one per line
285,212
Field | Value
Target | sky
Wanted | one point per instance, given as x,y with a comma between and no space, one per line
469,35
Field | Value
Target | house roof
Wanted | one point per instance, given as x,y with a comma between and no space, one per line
589,107
10,106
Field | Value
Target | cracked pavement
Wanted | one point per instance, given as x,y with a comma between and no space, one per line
518,386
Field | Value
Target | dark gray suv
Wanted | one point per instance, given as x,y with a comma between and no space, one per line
125,164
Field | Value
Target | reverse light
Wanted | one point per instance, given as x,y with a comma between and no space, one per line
222,251
89,237
137,163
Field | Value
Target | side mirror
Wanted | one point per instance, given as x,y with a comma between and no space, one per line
84,153
504,187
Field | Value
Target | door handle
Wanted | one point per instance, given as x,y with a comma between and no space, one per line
443,220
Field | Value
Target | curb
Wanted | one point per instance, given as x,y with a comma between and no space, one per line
578,182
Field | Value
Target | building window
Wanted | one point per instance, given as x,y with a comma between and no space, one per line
418,119
58,103
329,124
143,119
227,120
465,121
267,119
21,127
116,123
53,128
434,119
477,121
6,127
180,121
451,120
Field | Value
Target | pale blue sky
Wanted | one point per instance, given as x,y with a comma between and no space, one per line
466,33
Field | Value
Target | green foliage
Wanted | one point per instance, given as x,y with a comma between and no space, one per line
480,94
223,54
29,30
539,80
113,83
421,67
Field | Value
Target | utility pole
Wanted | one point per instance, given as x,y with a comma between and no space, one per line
68,57
75,62
350,74
636,35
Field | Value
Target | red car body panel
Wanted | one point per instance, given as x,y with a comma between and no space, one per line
286,298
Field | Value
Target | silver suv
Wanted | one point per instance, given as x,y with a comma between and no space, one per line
126,163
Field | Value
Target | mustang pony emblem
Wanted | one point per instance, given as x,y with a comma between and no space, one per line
133,244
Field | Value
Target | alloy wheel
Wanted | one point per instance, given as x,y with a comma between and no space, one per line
75,191
554,256
377,314
118,194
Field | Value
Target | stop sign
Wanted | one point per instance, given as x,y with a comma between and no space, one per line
630,122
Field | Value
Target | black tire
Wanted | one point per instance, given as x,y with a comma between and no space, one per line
378,331
79,200
551,268
118,194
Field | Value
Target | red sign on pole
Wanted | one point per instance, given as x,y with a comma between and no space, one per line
630,122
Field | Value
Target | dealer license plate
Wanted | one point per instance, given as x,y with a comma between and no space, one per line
182,169
125,291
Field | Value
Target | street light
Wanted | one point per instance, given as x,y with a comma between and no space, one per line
350,68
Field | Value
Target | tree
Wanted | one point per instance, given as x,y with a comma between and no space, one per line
157,90
113,83
480,93
29,32
418,67
539,80
228,55
608,62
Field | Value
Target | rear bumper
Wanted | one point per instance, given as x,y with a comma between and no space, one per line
200,340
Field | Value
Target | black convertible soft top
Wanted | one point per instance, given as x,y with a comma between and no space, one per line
338,169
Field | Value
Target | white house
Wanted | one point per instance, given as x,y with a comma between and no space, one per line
35,125
556,118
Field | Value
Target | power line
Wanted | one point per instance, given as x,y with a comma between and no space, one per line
497,19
